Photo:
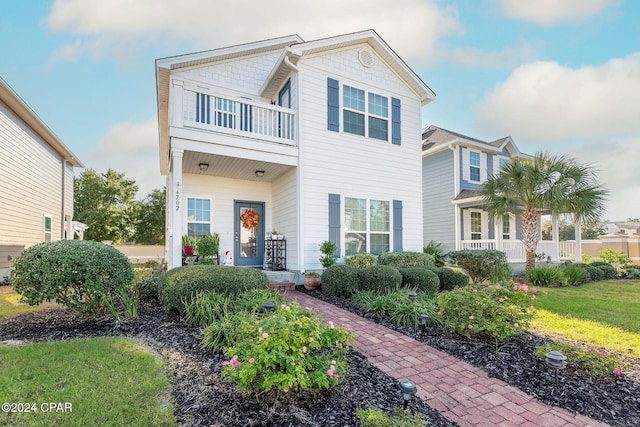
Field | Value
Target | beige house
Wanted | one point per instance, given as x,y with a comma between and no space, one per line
36,172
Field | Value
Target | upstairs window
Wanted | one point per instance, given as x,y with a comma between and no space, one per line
378,117
474,166
355,112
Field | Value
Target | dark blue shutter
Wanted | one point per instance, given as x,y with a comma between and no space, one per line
334,221
397,225
333,105
395,121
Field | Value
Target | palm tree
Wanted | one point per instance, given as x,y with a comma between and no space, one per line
547,184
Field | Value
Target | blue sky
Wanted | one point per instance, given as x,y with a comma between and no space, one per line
559,76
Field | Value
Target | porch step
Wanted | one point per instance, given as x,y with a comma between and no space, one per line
284,276
282,286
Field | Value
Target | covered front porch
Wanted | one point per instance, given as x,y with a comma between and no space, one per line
548,250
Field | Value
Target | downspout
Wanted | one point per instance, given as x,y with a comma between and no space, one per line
63,223
456,191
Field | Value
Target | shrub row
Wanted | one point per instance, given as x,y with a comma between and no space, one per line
570,274
481,264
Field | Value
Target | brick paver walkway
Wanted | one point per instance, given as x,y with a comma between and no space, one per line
459,391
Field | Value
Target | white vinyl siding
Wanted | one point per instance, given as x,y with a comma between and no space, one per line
474,166
31,176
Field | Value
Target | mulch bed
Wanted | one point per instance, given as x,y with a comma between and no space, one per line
613,400
202,397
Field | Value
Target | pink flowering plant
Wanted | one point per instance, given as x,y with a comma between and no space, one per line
289,350
489,312
594,361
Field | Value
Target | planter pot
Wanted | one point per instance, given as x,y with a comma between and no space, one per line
311,283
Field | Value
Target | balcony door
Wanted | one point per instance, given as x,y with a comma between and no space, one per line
249,233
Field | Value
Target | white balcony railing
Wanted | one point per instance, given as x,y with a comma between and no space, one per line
240,117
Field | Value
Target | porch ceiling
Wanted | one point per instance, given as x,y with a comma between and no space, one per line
232,167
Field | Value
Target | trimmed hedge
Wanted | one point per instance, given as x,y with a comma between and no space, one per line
340,280
80,274
608,271
451,278
182,283
379,278
361,260
595,272
420,278
481,264
406,259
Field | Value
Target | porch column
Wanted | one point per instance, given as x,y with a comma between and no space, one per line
458,237
176,209
555,237
578,225
497,233
176,104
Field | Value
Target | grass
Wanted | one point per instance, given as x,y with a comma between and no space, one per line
604,314
109,381
10,304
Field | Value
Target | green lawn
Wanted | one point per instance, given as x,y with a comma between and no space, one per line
109,381
604,314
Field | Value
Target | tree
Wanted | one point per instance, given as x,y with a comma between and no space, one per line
106,204
150,218
591,229
547,184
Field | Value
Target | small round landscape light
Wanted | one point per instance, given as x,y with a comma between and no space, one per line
556,361
412,296
424,318
268,307
408,389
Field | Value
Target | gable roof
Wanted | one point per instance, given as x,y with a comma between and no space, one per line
436,139
26,114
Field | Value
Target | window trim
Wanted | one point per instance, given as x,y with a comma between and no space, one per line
366,114
368,232
484,223
466,165
186,212
46,216
512,227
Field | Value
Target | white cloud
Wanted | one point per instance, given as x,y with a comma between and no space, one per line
120,24
132,149
550,12
616,162
545,101
508,58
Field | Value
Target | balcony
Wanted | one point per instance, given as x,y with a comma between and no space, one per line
243,118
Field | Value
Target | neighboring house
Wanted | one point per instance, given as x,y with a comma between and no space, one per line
318,140
36,172
454,167
630,228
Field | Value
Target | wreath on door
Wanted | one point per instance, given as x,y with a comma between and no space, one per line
249,218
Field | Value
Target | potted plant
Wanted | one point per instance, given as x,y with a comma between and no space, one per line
328,250
208,247
311,280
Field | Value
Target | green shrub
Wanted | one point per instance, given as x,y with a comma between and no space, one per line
614,258
206,307
543,275
252,301
572,275
225,331
406,259
435,250
83,275
328,250
597,363
374,417
147,289
503,275
608,271
340,280
493,313
208,246
420,278
361,260
595,272
397,305
479,263
182,283
379,278
289,350
632,272
451,278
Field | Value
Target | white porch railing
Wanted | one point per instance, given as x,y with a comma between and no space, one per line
243,118
515,249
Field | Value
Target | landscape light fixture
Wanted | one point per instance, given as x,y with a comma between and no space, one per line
259,174
424,318
203,166
408,389
557,361
412,296
268,307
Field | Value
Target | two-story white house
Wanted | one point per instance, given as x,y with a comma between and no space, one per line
36,176
317,140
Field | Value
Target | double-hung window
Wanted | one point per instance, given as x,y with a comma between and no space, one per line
47,228
378,117
370,118
198,217
506,227
353,111
474,166
367,226
476,225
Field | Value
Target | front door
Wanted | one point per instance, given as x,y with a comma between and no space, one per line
249,233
